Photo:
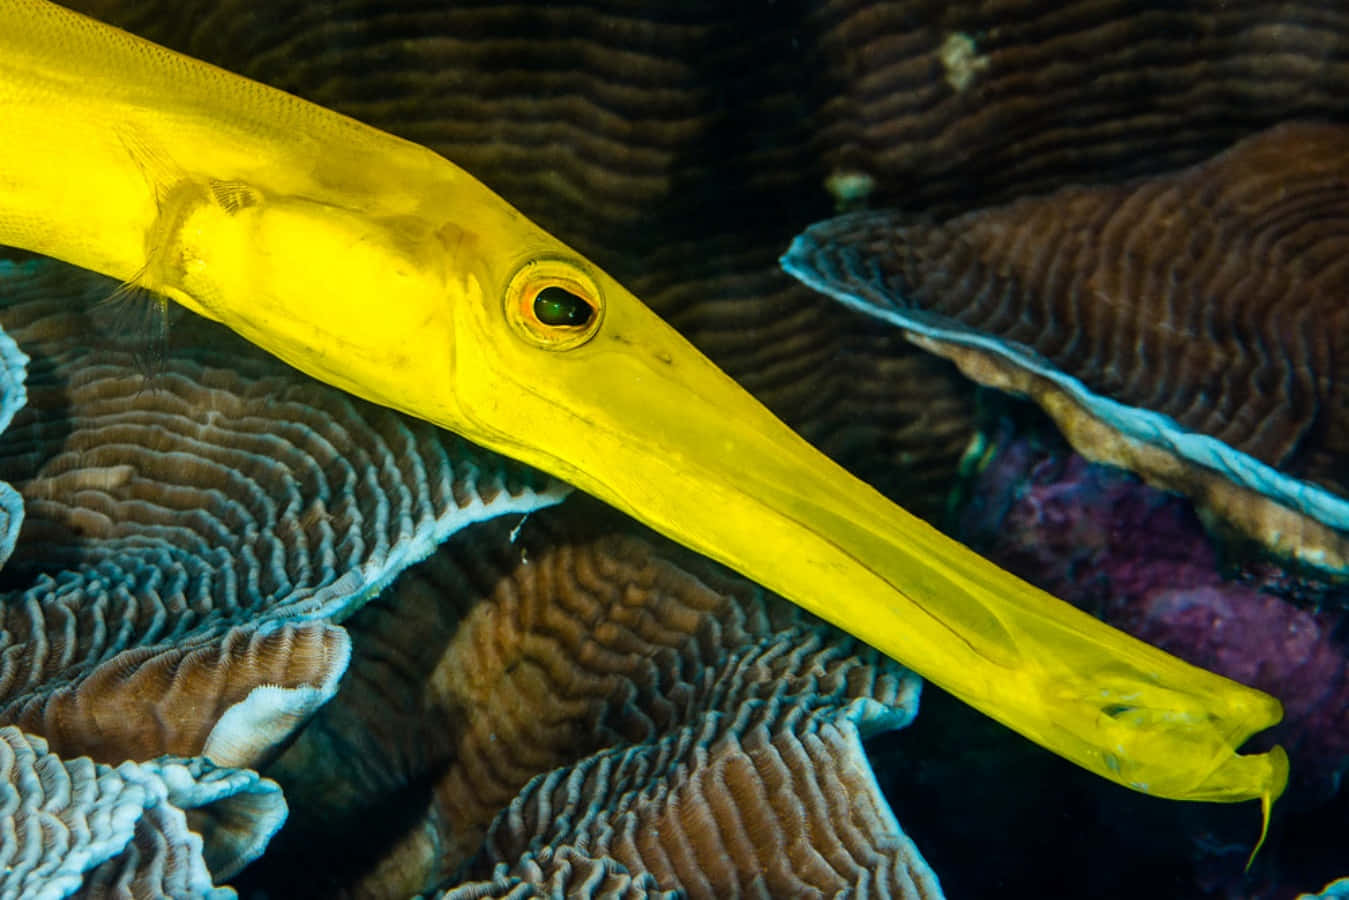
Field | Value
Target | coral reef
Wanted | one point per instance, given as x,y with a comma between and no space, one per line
161,517
1185,326
680,145
580,696
956,106
191,539
186,541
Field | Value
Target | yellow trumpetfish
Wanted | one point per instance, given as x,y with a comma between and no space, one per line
379,267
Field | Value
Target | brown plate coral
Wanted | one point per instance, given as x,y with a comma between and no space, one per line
590,700
186,541
1191,327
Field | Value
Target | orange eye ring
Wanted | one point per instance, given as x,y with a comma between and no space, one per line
554,304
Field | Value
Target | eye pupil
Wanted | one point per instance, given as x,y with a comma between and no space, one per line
558,306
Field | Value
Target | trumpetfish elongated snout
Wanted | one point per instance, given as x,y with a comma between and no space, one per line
381,268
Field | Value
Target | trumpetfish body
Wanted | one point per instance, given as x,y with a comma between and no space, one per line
379,267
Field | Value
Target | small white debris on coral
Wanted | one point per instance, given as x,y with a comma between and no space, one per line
850,189
961,59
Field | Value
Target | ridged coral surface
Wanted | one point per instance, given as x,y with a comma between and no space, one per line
75,825
771,800
1213,296
1200,313
180,529
571,691
955,105
630,111
186,692
188,537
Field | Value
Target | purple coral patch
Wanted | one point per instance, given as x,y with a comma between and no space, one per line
1139,558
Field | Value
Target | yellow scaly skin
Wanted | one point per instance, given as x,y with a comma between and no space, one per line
381,268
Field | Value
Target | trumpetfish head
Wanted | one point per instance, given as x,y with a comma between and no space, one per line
487,325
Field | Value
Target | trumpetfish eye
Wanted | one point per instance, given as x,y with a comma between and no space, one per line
558,306
554,304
